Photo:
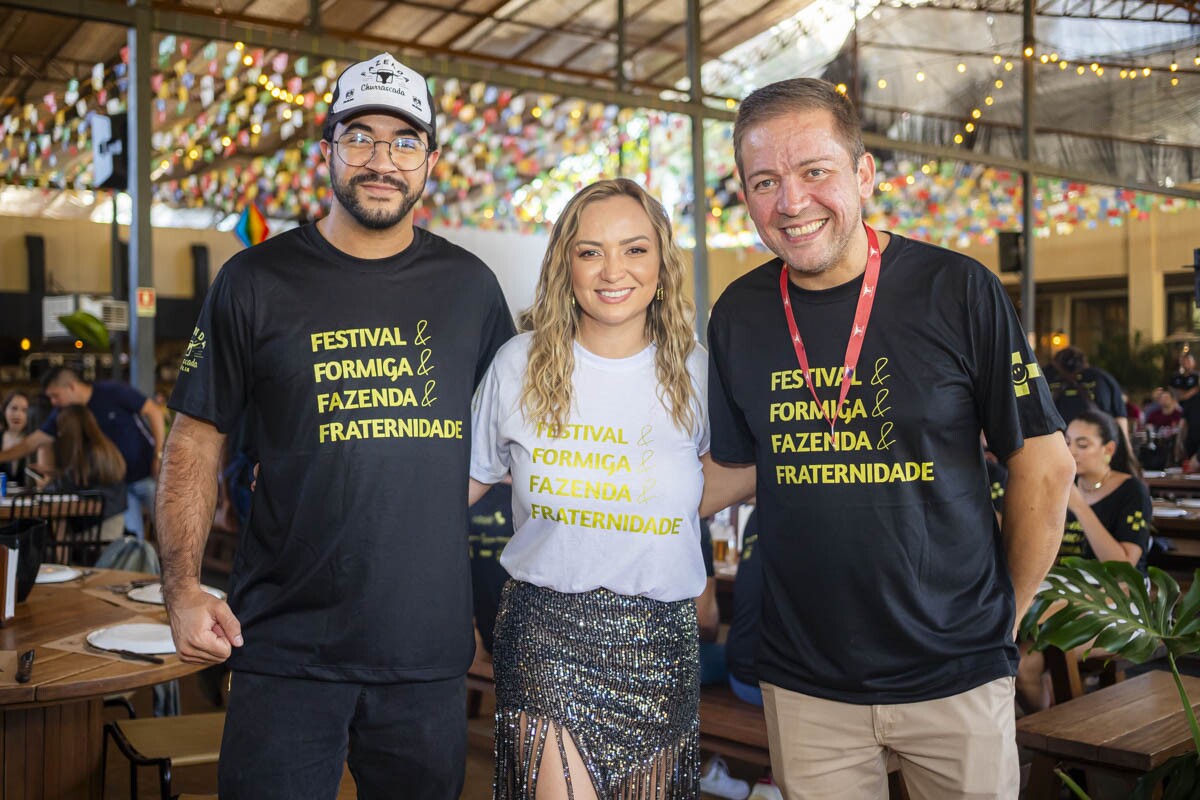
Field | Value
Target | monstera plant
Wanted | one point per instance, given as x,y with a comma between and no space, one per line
1113,604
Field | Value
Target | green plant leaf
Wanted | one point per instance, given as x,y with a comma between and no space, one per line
87,328
1107,602
1181,771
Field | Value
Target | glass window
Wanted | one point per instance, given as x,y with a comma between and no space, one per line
1095,318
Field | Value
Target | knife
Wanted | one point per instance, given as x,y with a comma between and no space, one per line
138,656
24,666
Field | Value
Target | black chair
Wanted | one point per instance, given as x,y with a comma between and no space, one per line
72,520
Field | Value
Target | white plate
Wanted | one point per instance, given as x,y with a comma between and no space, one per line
152,593
138,637
1189,502
56,573
1170,512
1153,473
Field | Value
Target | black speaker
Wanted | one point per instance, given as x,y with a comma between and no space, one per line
35,256
1196,266
109,147
1009,243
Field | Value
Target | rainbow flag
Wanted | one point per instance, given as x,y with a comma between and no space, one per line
252,226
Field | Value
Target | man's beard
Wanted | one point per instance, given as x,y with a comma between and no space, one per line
374,220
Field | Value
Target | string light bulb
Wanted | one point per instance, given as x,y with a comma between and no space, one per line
1029,52
987,101
1008,66
1080,70
958,138
1045,59
976,113
999,83
881,83
969,127
1099,71
920,77
1174,81
996,59
1146,71
961,67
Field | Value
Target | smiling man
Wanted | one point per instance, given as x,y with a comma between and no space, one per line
855,371
355,345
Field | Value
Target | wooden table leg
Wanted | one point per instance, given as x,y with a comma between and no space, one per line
1043,783
52,751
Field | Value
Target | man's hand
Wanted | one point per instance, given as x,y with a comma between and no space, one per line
204,627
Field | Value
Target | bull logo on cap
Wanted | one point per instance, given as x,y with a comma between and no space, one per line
384,71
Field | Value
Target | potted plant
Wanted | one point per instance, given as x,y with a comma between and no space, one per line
1111,603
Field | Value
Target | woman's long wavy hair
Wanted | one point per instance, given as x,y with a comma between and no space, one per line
83,453
554,319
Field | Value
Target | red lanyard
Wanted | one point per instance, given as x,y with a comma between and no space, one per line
862,316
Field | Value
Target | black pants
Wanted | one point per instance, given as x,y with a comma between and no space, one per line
287,738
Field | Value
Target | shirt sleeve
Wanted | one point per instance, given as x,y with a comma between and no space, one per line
50,426
497,329
698,364
1117,404
1132,524
1011,393
732,441
217,369
490,458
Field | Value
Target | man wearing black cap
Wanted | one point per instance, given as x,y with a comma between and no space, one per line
354,345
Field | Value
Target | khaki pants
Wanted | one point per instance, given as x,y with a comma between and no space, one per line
962,746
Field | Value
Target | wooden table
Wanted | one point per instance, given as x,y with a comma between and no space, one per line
51,729
1122,730
1183,527
1174,484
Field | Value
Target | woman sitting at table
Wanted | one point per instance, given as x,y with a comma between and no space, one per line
87,459
1108,518
14,426
599,414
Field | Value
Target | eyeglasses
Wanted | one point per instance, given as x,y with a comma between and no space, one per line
357,149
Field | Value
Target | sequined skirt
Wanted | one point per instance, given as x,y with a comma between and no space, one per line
618,675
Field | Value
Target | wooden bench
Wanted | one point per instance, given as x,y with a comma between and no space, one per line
1120,731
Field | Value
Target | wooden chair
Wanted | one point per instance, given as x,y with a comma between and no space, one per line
165,742
73,523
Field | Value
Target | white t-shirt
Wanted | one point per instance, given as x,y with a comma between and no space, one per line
612,501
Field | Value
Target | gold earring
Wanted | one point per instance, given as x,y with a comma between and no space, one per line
659,294
572,301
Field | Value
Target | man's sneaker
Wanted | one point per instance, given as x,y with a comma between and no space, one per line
717,781
765,790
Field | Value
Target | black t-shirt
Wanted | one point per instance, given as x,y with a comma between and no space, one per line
742,639
884,575
1125,513
1099,389
491,528
358,375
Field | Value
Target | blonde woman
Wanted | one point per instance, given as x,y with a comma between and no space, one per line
599,415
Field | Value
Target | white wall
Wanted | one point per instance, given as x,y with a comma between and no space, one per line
516,258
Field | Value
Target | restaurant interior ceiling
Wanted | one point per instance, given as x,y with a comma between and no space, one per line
1117,81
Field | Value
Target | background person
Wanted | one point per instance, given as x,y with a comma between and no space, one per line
1108,519
86,459
128,418
14,427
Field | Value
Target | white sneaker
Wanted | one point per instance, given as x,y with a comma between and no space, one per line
766,791
717,781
